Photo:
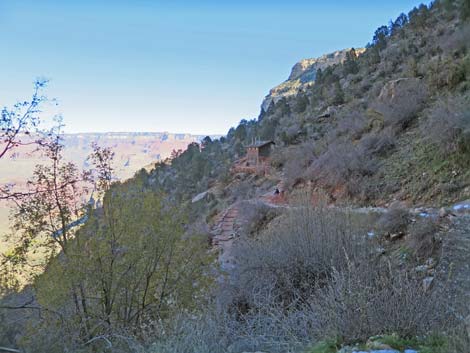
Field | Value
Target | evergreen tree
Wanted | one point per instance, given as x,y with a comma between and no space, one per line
380,37
319,77
398,24
419,16
338,95
350,65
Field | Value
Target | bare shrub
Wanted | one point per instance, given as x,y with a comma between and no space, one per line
378,144
279,157
367,301
256,216
396,54
459,339
456,41
448,125
297,254
216,331
297,160
353,124
395,220
315,265
313,275
290,135
194,334
241,189
422,240
342,164
401,101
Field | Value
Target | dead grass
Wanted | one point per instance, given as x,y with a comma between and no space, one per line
416,171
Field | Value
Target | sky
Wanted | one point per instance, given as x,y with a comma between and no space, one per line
179,66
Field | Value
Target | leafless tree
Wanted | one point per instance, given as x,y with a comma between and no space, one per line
21,125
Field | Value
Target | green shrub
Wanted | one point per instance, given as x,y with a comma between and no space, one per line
465,10
301,102
327,346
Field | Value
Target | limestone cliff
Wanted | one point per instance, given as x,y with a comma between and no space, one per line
303,75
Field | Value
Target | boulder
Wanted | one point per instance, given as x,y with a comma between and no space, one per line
443,212
427,283
421,268
380,250
377,345
396,236
199,197
395,89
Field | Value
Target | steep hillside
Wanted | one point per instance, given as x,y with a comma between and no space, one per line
384,131
337,221
373,127
366,126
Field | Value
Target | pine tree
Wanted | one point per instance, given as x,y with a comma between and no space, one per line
380,37
338,97
350,64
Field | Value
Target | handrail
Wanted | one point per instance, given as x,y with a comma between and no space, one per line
5,349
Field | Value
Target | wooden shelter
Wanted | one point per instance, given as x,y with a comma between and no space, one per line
258,151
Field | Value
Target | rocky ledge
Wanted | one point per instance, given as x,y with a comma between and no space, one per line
303,75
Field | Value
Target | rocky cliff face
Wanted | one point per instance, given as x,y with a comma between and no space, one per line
303,75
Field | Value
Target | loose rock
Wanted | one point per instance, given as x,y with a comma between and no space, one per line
427,283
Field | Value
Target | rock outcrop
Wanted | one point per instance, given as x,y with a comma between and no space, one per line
303,75
394,89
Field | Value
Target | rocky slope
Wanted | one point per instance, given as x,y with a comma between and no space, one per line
303,75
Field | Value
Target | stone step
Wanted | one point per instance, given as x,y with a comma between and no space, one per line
223,238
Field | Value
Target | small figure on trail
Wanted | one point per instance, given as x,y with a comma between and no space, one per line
276,192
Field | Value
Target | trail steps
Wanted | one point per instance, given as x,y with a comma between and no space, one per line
224,233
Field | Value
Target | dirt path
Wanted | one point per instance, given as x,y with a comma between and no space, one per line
455,262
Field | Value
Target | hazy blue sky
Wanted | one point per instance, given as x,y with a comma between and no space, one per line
182,66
